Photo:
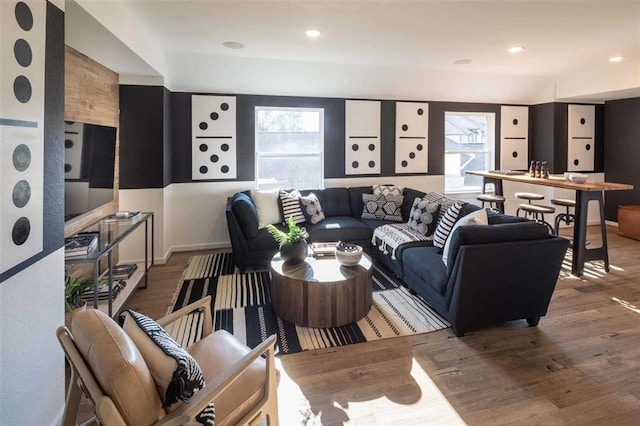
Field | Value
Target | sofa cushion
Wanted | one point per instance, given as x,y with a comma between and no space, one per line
246,214
355,198
176,373
340,228
334,201
489,234
311,208
478,217
423,216
382,207
426,263
267,207
445,225
497,218
290,206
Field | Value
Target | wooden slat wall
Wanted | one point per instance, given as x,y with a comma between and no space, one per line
92,96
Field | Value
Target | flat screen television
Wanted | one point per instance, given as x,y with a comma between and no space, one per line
89,167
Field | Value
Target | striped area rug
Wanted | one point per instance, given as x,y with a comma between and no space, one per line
242,306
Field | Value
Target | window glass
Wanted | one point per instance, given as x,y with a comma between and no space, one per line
289,148
469,143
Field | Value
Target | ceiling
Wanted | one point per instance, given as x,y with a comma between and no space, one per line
558,36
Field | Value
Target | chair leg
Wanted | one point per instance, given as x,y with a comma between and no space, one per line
74,394
533,321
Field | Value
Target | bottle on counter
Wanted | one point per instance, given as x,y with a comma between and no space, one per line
538,169
532,169
545,170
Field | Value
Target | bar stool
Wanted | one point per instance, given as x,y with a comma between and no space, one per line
493,201
567,216
535,211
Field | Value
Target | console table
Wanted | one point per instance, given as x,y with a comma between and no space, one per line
110,234
585,192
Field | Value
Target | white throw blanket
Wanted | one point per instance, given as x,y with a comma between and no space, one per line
393,235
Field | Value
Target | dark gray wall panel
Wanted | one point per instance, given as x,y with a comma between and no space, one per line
141,137
543,135
180,137
621,152
166,136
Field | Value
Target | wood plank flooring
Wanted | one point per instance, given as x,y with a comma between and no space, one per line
581,365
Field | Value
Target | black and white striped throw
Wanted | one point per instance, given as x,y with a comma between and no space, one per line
241,305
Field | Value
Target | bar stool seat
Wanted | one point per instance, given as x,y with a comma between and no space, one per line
537,212
529,196
493,201
567,216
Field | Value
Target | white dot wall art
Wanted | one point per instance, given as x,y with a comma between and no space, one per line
213,137
22,43
362,137
412,125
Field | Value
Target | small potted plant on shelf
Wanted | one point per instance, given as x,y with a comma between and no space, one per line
293,244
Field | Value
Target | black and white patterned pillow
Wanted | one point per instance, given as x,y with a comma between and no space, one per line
388,190
423,216
159,351
290,203
445,202
311,208
446,224
381,207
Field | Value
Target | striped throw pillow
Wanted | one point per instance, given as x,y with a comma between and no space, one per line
290,203
446,224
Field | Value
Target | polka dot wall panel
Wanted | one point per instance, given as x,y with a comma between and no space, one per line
412,126
362,137
22,43
581,138
213,137
514,138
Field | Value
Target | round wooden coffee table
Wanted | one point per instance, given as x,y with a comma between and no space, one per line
321,292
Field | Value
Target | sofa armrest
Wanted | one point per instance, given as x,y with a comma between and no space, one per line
499,282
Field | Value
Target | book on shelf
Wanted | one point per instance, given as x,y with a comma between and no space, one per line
80,244
122,216
103,290
123,271
323,249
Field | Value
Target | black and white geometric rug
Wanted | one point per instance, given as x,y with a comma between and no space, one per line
242,306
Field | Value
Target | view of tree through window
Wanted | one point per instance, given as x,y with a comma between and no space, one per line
289,148
468,145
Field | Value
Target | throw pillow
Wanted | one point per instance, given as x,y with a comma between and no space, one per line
382,207
479,217
176,373
267,207
290,203
445,202
311,208
388,190
446,224
423,216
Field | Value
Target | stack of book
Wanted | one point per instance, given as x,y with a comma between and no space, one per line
103,290
123,271
122,216
324,249
80,245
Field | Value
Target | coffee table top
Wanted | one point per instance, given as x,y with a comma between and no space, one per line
321,269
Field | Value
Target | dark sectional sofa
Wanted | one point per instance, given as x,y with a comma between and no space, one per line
506,270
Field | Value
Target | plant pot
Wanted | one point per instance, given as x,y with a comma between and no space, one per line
68,316
293,253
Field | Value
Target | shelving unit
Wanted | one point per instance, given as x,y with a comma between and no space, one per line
111,234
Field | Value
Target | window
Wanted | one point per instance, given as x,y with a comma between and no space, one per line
289,148
469,144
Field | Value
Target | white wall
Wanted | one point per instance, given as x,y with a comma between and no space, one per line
31,360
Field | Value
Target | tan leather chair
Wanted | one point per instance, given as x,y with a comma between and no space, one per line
108,368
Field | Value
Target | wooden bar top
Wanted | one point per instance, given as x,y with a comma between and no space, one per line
557,181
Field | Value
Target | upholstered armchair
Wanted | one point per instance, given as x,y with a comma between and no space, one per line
112,368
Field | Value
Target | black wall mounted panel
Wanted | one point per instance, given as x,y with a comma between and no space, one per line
141,137
180,137
543,135
387,138
166,137
622,153
598,162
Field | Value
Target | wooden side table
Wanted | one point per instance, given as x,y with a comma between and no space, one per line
320,292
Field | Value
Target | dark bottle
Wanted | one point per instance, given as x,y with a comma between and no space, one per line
538,169
532,169
545,170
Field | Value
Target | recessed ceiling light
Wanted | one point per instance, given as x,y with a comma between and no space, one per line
313,33
515,49
462,61
233,45
616,58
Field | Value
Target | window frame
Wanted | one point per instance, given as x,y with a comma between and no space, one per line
258,154
490,153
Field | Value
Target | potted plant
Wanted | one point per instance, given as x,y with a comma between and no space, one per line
73,289
293,244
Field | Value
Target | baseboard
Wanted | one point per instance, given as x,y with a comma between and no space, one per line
193,247
611,223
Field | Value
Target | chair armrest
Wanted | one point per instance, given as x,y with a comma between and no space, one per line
187,412
204,304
